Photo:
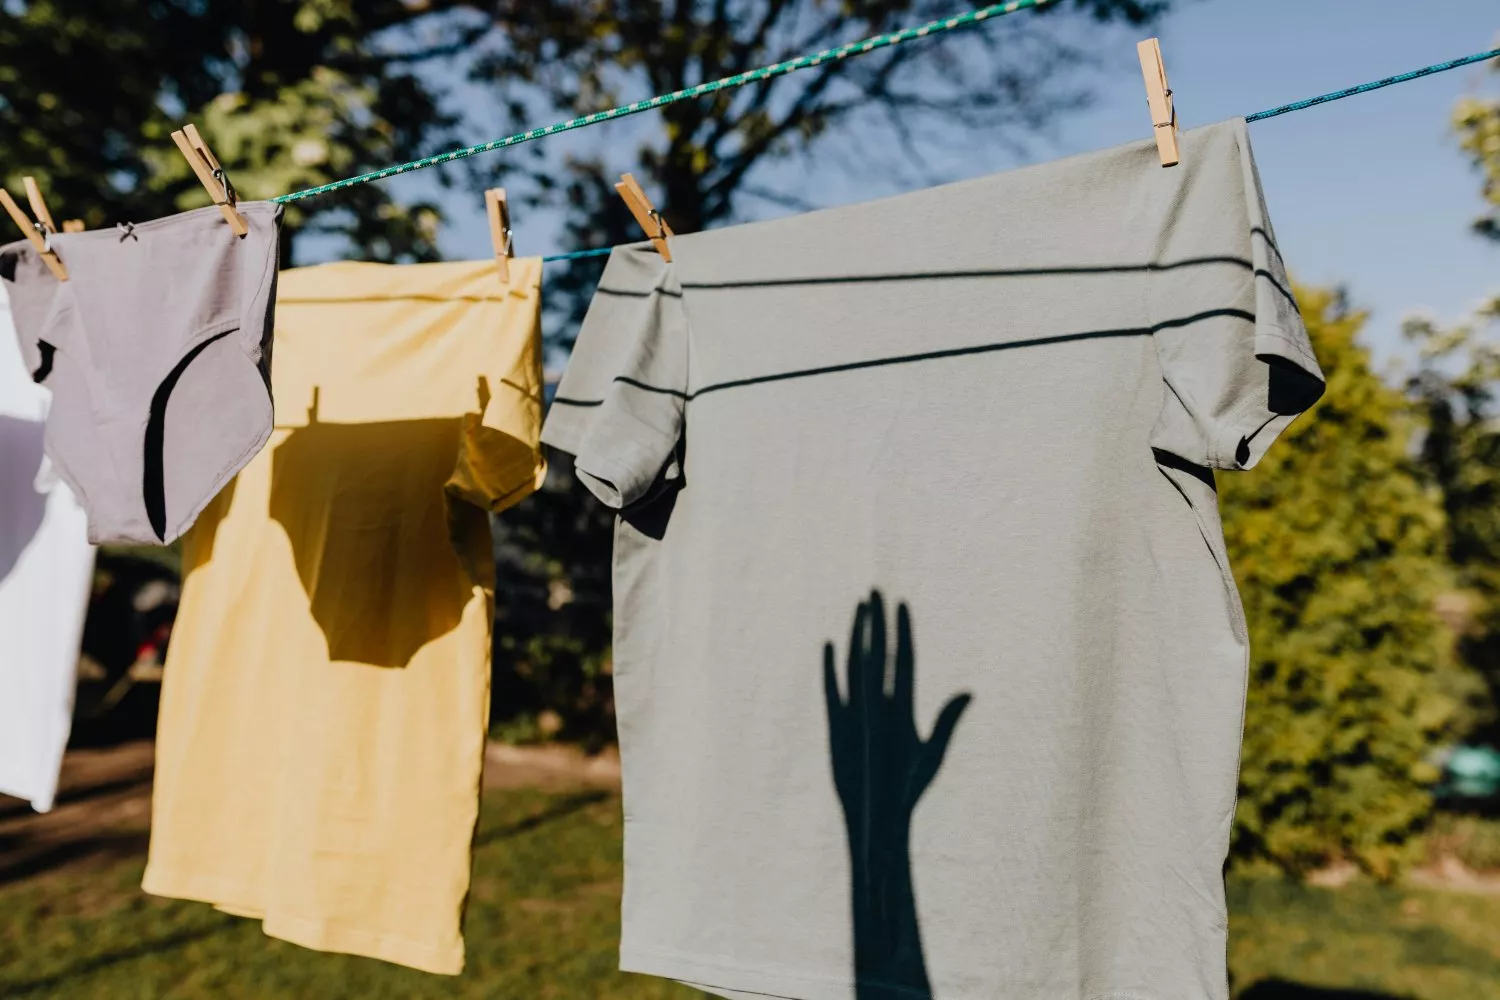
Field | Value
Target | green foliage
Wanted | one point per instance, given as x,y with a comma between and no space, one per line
553,676
1454,387
1478,122
289,93
1338,546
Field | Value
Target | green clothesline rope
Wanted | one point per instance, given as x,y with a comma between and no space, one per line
1311,102
576,255
803,62
1365,88
738,80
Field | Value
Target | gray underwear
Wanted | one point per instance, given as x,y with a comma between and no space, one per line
157,350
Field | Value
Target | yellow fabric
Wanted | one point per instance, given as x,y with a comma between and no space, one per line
327,690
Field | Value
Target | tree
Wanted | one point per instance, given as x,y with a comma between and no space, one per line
705,159
1338,547
292,93
707,162
289,93
1455,386
1478,122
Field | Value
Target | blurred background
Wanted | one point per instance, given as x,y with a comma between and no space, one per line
1365,855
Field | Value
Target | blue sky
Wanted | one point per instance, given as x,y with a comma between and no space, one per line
1371,192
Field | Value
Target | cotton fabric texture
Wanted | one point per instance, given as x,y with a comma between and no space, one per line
157,352
46,567
326,698
929,666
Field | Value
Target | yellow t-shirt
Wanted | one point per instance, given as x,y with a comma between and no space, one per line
326,696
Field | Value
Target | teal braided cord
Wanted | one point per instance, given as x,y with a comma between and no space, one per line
738,80
576,255
1367,87
1259,116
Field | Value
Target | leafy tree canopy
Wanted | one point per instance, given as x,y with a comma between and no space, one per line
1338,545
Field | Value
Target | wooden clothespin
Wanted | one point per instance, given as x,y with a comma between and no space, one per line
649,218
211,175
1159,96
39,232
499,214
38,204
39,209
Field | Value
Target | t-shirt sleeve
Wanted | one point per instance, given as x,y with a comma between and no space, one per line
1234,352
500,459
619,406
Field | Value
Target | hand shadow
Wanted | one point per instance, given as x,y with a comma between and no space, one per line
881,767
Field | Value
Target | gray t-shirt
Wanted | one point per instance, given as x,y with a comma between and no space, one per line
929,666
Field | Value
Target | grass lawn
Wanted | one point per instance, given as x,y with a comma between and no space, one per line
543,923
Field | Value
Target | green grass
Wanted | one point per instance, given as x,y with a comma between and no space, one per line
1370,940
543,923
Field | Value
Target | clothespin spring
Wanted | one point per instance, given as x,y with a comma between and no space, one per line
1171,122
231,197
646,215
661,224
501,237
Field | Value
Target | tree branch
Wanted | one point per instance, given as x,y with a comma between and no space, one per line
804,110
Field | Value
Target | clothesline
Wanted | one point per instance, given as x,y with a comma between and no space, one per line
1302,105
728,82
804,62
1365,88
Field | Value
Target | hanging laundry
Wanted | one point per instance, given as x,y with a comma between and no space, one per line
46,568
157,352
326,699
928,663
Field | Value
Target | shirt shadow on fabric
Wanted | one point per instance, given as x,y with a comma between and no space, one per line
387,558
21,445
652,513
881,767
205,530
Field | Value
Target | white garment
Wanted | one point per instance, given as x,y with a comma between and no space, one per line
46,566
